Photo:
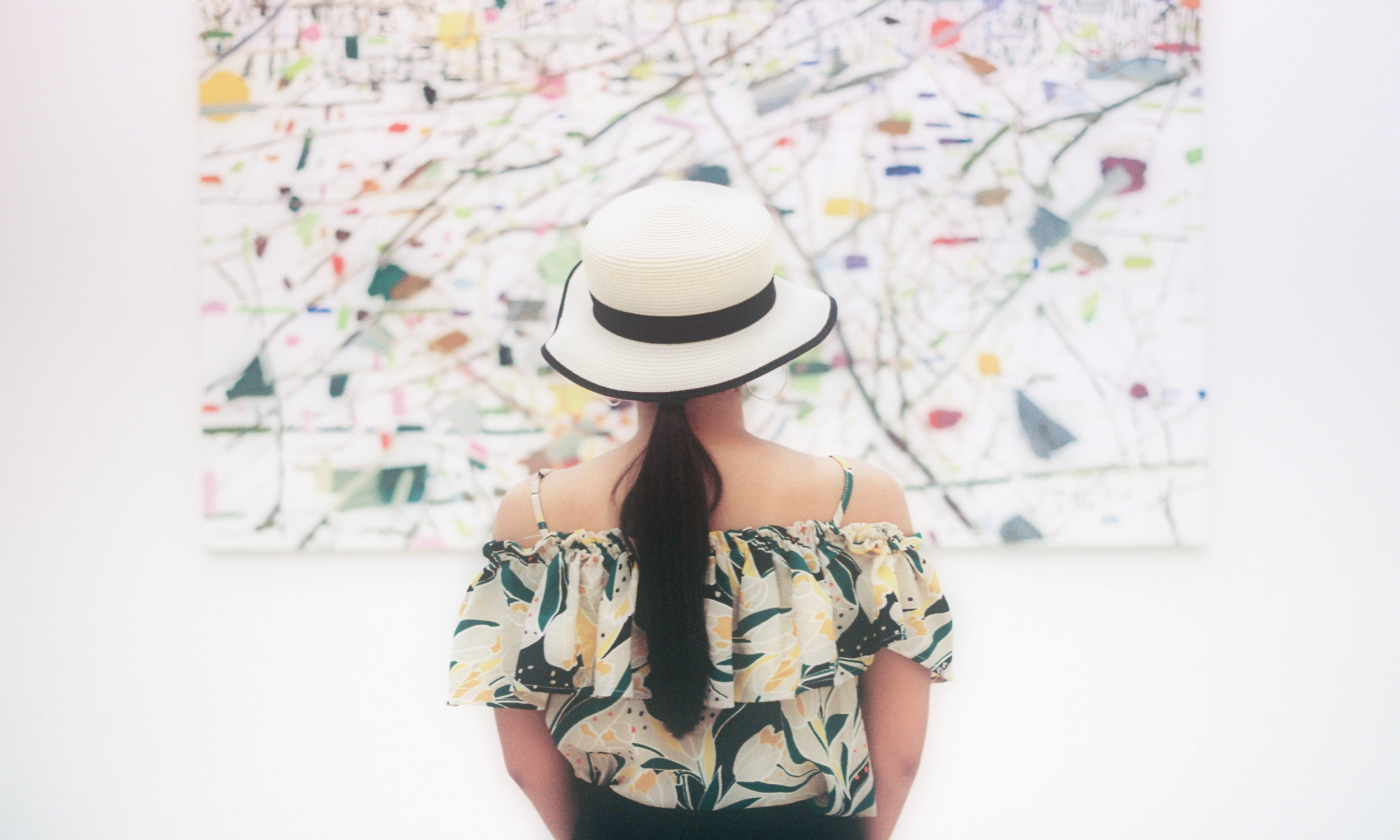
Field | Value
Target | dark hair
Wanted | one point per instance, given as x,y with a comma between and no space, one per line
666,523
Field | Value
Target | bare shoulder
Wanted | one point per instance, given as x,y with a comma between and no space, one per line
877,496
515,518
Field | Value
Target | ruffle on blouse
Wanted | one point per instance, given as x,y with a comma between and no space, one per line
787,610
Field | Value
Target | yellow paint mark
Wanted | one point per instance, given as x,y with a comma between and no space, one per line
988,364
221,94
457,30
846,207
571,399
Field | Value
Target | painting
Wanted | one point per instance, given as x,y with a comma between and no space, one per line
1005,198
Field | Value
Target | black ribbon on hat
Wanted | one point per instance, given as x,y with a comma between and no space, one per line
681,329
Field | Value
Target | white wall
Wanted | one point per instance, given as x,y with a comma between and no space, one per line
149,690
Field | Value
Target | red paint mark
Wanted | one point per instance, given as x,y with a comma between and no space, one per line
955,240
1139,391
210,409
260,245
784,141
369,186
398,128
214,308
940,32
290,125
1136,170
944,418
385,440
338,265
345,164
1190,4
211,179
293,340
1178,48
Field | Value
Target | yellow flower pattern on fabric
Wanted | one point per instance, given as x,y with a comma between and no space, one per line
793,614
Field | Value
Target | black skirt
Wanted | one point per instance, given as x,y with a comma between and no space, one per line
606,815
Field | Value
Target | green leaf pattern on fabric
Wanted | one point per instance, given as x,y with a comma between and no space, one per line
794,616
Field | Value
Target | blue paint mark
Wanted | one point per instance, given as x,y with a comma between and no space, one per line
902,169
1035,263
321,309
926,95
1047,230
953,141
969,116
856,261
938,125
1044,434
1019,529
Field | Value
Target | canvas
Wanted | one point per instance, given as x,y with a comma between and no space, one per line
1004,197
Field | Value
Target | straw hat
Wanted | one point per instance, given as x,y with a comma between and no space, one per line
675,297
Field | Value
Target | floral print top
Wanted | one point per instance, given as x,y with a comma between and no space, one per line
794,614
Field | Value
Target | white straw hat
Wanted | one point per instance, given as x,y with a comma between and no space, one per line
675,297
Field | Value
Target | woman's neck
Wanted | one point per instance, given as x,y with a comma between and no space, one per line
715,418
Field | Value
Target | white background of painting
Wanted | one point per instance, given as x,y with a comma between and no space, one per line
151,690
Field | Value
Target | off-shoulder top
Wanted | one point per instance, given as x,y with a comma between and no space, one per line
794,614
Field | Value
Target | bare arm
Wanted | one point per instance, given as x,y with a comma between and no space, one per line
532,760
539,768
894,690
894,704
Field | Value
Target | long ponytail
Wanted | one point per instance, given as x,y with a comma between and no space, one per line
666,522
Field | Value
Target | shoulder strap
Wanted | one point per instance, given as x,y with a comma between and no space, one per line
535,498
845,491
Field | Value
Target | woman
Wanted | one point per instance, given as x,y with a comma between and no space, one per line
664,660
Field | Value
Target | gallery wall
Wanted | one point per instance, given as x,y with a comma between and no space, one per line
153,690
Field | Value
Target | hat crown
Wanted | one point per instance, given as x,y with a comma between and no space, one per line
678,248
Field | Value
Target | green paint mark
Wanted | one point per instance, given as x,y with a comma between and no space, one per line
342,318
901,116
1088,31
937,341
1090,306
1194,155
555,266
673,102
296,67
1061,267
780,271
462,212
1107,214
498,121
1137,262
386,277
1065,48
237,167
306,228
215,33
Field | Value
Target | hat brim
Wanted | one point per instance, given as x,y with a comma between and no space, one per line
587,353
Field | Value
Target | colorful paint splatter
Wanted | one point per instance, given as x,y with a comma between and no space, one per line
1005,198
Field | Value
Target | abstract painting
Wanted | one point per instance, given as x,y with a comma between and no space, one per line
1005,198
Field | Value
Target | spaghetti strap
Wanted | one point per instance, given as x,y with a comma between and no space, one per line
845,491
535,499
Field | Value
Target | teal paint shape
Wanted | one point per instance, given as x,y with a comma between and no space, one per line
251,383
386,277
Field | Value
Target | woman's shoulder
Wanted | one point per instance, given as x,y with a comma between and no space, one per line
876,496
